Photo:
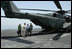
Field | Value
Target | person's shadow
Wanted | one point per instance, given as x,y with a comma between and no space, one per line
19,40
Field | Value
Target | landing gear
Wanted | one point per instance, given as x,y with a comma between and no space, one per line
57,37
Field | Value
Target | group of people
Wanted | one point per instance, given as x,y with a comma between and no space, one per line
26,30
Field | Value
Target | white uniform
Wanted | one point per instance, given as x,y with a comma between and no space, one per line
24,30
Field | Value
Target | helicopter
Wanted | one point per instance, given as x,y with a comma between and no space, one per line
57,22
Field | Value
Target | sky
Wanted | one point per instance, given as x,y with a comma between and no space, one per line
7,23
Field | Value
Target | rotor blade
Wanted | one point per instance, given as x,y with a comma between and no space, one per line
3,16
38,10
58,4
68,11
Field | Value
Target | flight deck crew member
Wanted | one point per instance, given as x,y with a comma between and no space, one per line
19,30
24,30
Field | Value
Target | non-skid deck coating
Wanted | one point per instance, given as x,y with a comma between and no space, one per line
37,41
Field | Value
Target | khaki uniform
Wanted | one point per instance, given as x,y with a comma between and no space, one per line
24,31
